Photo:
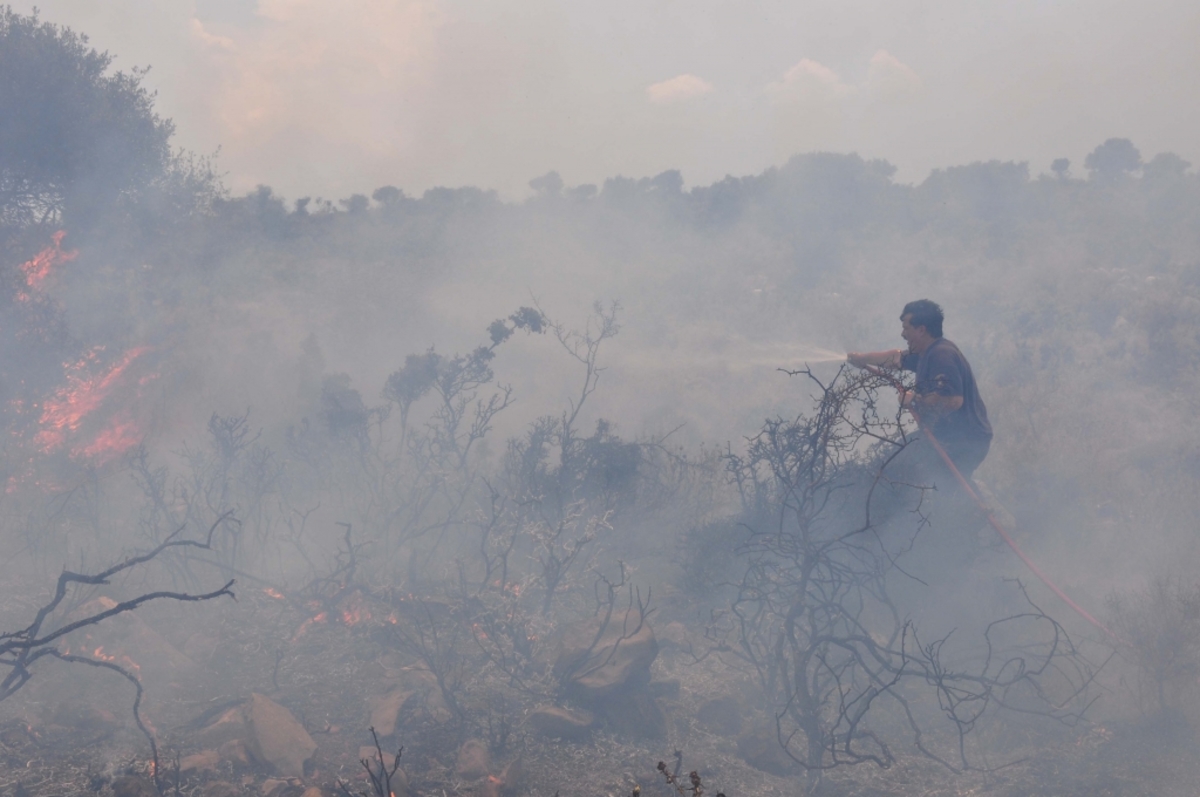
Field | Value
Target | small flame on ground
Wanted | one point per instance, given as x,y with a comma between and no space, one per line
355,612
122,660
274,593
320,618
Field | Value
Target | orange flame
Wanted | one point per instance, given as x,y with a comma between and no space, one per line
71,405
355,613
37,269
274,593
123,660
320,618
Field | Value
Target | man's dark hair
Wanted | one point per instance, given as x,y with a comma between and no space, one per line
925,313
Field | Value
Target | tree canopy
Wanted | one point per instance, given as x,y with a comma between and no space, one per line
75,137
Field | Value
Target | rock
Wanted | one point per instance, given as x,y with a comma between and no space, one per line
220,788
673,635
636,716
760,749
133,786
386,711
276,738
619,659
129,640
722,715
229,726
668,687
564,722
399,778
272,786
84,717
234,752
473,760
512,777
205,760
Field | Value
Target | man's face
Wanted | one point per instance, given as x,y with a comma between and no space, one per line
913,336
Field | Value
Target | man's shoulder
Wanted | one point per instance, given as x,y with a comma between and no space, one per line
944,351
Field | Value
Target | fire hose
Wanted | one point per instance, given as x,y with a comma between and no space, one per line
991,518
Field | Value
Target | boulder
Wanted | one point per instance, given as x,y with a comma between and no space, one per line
593,669
275,737
234,752
473,760
674,635
512,777
386,711
204,761
127,640
220,788
272,786
134,786
85,717
399,779
635,716
668,687
760,749
721,715
563,722
230,726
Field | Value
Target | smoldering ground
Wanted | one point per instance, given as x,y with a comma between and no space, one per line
542,543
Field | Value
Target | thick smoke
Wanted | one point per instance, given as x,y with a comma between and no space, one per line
501,421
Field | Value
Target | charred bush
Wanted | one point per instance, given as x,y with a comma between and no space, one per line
812,619
1159,631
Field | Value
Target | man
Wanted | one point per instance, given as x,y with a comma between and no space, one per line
945,396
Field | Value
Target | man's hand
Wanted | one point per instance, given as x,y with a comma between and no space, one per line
930,406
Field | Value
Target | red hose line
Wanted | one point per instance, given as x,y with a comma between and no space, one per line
970,490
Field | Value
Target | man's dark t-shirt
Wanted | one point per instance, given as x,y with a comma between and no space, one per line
942,369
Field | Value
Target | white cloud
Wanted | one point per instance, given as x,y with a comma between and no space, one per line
806,79
682,87
886,73
206,39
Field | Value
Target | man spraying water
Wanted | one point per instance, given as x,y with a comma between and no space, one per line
945,395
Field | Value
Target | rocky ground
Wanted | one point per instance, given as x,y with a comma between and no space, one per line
260,697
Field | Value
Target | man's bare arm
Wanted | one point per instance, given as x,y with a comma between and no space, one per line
884,359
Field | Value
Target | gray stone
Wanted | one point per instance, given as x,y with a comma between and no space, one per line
473,760
562,722
619,660
635,716
386,711
760,749
722,715
276,738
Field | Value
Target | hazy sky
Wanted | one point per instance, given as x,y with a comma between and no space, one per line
332,97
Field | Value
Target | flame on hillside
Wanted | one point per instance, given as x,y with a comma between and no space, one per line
66,419
39,267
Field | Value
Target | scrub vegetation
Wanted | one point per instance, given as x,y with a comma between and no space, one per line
544,490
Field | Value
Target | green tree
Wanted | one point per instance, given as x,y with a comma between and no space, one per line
1113,159
75,138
